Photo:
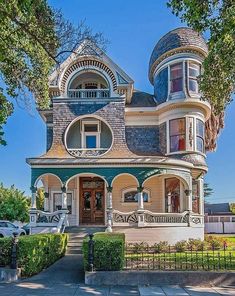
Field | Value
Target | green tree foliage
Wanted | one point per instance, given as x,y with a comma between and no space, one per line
34,40
232,207
14,205
40,199
207,190
217,19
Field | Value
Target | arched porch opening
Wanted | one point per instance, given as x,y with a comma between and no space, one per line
167,193
88,198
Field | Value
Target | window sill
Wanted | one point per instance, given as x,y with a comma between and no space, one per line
186,152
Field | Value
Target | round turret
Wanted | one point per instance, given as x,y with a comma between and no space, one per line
175,64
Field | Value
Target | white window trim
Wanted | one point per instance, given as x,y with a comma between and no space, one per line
193,93
84,134
59,191
178,94
195,140
146,190
185,85
194,147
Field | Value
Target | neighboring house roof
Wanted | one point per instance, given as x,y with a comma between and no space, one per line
218,209
142,99
178,38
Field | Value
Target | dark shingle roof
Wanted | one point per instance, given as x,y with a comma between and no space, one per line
142,99
217,208
180,37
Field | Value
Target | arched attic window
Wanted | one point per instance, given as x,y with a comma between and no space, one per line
88,85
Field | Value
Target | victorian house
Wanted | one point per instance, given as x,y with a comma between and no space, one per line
120,157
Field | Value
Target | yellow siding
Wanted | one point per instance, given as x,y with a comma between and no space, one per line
154,185
122,182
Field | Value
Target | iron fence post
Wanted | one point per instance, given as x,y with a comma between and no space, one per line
91,252
14,263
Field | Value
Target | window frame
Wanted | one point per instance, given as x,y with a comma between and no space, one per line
126,190
84,134
180,77
194,78
199,136
175,135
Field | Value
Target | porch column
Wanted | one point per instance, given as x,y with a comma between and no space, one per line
140,198
46,201
33,209
33,198
64,198
188,194
201,196
109,209
140,206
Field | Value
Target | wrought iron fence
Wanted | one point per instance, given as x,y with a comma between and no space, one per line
145,257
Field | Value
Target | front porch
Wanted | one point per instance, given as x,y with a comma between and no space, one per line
133,198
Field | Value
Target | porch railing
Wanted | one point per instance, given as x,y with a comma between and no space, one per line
89,93
147,218
55,221
87,152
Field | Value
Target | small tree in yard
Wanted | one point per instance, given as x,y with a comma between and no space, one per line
40,199
14,205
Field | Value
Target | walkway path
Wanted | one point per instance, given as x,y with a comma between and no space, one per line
66,277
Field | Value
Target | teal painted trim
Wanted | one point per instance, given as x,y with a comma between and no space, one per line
141,173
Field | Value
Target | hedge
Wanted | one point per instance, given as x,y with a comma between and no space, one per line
35,252
108,251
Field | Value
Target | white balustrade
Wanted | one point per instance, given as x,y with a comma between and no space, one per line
156,219
88,93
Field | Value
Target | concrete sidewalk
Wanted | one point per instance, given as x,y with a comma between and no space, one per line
49,288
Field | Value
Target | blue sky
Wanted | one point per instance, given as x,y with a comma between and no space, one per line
133,27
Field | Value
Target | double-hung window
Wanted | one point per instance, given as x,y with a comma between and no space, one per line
176,77
193,73
90,134
200,135
177,135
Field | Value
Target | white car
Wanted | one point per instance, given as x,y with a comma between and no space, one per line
7,229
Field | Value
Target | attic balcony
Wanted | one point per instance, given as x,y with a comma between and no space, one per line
89,93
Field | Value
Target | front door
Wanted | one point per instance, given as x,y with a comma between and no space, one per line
91,200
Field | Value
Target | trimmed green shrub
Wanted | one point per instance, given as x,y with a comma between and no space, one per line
196,244
138,247
5,251
161,247
215,243
35,252
108,251
181,246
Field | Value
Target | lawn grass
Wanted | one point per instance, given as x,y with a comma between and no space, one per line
230,238
190,260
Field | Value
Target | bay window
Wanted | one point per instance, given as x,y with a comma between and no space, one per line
177,135
200,135
193,73
176,77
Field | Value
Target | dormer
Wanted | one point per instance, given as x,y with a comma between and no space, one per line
89,73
